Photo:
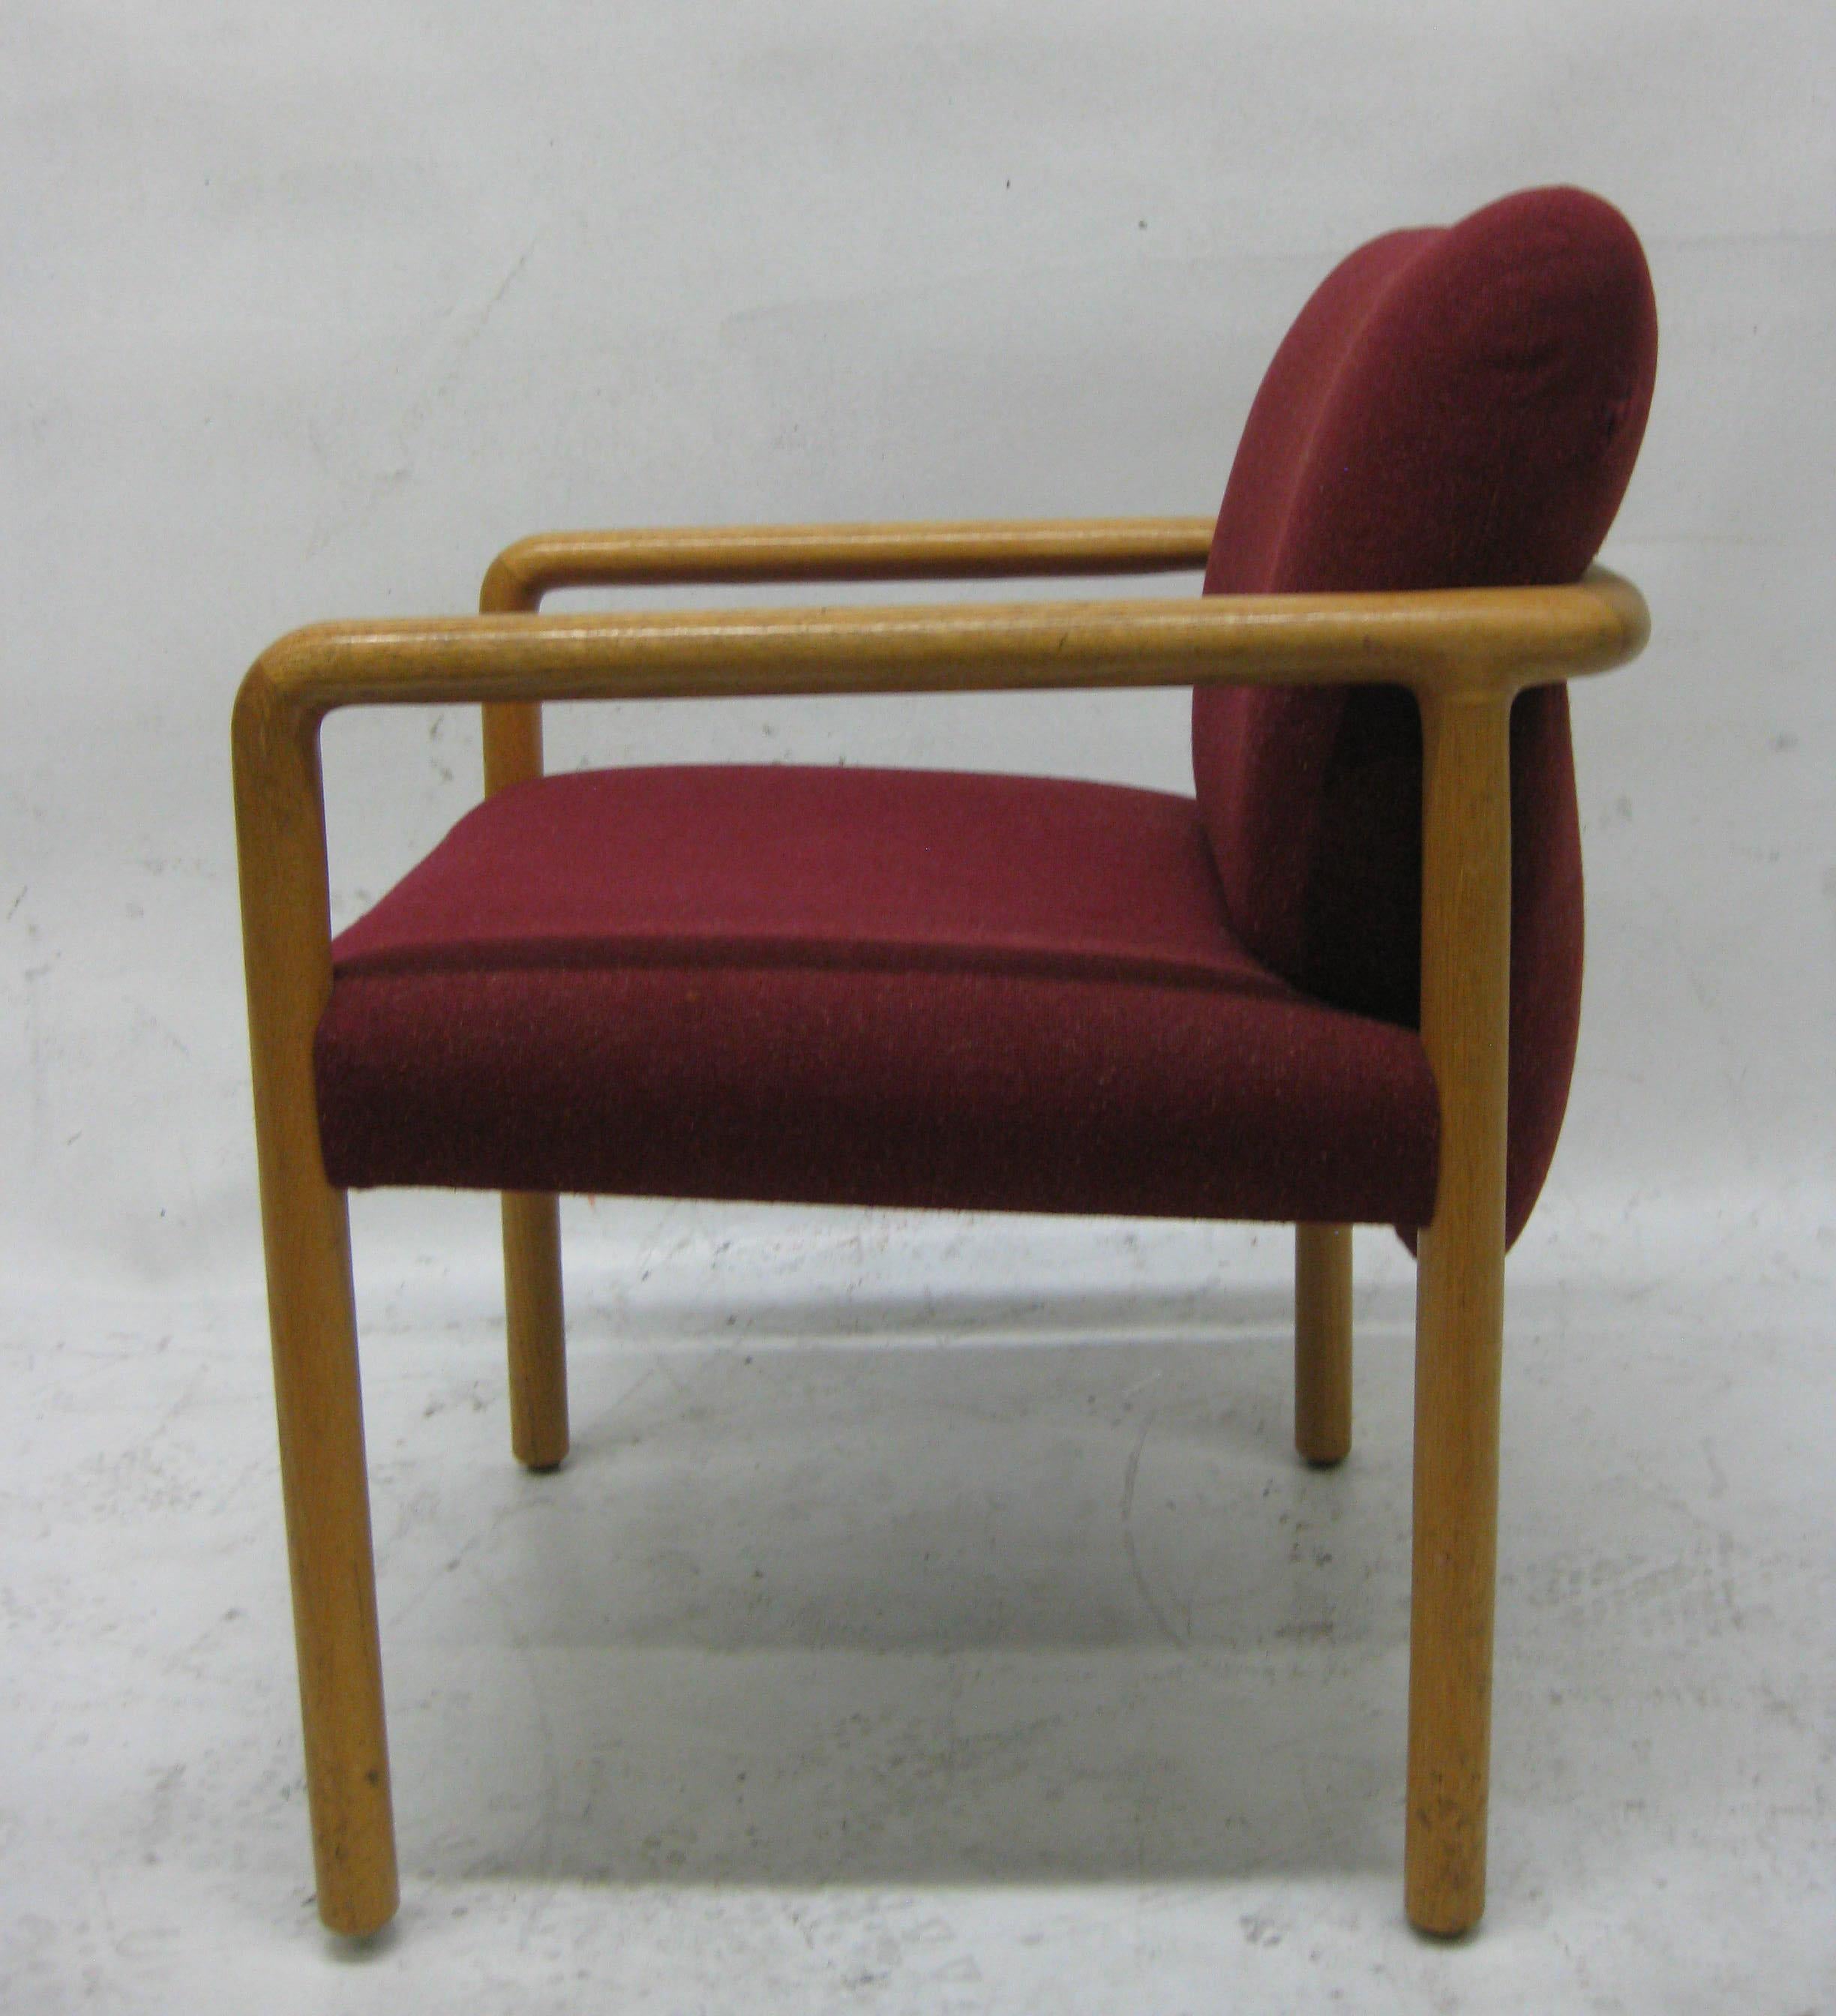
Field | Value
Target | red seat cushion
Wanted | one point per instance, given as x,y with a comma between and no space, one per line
853,986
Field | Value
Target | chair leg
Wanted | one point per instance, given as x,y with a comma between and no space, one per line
1460,1306
306,1233
532,1220
537,1339
1459,1339
324,1485
1322,1342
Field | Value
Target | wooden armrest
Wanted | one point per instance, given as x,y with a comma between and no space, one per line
986,549
950,648
685,556
1494,640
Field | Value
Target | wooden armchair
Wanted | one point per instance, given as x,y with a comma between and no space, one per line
1004,993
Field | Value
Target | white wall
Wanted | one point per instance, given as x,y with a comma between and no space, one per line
305,311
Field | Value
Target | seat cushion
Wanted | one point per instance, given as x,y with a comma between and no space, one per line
744,864
838,985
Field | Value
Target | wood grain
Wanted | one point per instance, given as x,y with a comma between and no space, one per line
535,1333
1459,1304
968,550
684,556
1322,1342
280,834
1479,639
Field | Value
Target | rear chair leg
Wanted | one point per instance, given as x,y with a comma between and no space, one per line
532,1223
1322,1342
538,1342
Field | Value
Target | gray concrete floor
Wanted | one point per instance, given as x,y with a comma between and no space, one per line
933,1618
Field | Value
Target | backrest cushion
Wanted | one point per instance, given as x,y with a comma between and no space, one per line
1454,407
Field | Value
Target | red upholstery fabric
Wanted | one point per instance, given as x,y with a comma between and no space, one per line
834,985
1454,407
737,865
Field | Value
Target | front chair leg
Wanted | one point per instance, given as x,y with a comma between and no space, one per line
538,1345
1322,1342
1459,1306
325,1486
306,1233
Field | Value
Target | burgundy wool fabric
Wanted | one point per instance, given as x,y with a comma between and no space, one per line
1453,408
734,865
923,988
853,986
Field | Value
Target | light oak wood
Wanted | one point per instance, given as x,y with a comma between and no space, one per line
280,832
1479,639
1464,655
512,744
513,729
985,549
1459,1303
684,556
535,1332
1322,1342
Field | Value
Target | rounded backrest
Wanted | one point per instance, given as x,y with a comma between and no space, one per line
1454,407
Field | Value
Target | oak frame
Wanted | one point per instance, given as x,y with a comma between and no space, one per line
1465,654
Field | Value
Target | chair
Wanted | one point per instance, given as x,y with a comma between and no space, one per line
1338,985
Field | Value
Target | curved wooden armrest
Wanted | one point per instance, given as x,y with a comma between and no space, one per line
1493,640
